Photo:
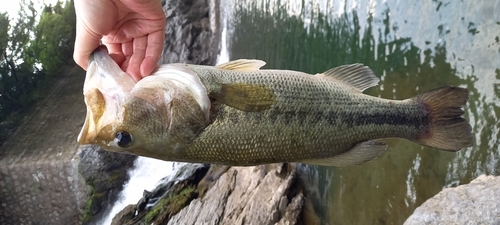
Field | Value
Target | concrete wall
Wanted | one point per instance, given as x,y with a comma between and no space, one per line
41,192
39,179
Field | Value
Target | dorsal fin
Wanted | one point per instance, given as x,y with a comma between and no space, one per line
242,65
356,75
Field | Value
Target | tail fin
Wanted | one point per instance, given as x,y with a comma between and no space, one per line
446,129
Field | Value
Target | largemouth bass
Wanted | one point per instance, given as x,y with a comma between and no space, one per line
237,114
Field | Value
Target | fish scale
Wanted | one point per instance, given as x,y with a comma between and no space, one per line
296,126
237,114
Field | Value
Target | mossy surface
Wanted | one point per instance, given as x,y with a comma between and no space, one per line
92,207
171,204
105,173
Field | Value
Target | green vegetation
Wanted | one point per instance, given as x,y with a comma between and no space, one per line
91,208
34,48
171,204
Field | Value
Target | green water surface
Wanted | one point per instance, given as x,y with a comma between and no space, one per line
412,46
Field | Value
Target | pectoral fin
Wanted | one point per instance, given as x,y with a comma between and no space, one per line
360,153
246,97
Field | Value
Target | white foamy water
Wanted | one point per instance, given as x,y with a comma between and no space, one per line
144,176
224,54
225,15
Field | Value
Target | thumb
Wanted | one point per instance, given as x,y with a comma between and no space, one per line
86,42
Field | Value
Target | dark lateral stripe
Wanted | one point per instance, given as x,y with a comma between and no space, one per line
385,118
346,118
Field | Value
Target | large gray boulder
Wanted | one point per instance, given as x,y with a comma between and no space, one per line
247,195
474,203
267,194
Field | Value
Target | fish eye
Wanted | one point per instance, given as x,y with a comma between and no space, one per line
123,139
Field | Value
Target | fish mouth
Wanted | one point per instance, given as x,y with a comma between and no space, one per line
96,105
105,88
98,50
83,136
101,55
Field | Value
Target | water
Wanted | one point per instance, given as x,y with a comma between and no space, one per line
413,46
145,175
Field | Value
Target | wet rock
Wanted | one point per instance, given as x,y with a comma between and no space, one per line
105,172
167,199
189,38
266,194
126,216
474,203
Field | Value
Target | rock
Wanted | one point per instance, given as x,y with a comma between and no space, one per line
474,203
266,194
255,195
105,172
210,178
246,195
189,38
167,199
125,216
293,210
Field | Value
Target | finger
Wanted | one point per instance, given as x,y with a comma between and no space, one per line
115,51
85,43
153,52
128,51
139,46
113,48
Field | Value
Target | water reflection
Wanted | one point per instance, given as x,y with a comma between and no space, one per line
413,47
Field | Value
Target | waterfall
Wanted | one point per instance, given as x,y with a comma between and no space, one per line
225,16
144,176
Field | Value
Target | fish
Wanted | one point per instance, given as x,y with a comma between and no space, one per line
238,114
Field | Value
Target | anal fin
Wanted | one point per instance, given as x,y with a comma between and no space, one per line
360,153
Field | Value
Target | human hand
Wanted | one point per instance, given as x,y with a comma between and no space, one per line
132,30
